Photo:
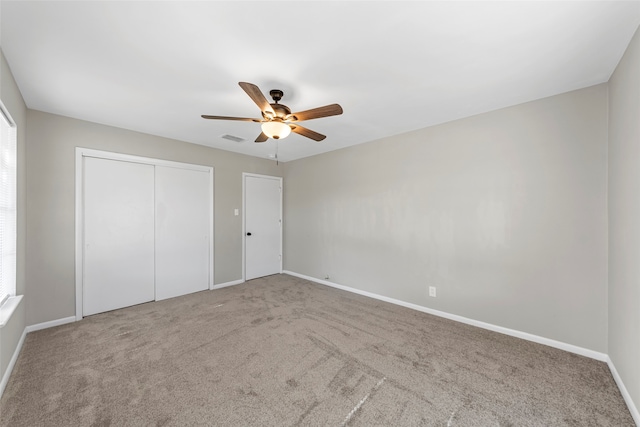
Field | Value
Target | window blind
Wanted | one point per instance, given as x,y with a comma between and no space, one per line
8,225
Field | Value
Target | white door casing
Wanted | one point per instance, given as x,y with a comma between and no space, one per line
118,235
262,225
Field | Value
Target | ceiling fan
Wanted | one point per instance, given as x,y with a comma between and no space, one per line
277,120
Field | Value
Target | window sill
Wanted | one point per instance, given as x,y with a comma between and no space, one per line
7,309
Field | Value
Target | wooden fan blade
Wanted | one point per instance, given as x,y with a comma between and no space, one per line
242,119
316,113
262,137
254,93
307,132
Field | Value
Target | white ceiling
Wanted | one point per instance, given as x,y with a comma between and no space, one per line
156,66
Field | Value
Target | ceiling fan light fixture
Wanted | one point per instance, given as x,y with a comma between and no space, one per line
276,129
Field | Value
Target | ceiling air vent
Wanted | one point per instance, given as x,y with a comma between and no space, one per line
232,138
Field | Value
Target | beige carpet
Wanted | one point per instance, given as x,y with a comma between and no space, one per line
283,351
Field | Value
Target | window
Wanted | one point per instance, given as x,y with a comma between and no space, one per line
8,204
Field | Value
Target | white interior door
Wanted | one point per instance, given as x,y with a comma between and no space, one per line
183,212
118,234
263,225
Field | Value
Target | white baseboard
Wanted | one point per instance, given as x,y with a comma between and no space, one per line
12,363
50,324
224,285
512,332
625,393
16,353
518,334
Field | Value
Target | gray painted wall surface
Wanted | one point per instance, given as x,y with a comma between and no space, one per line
10,334
504,212
624,217
51,203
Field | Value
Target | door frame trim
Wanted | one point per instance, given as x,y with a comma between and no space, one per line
244,217
81,153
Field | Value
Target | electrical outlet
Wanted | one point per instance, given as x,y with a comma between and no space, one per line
432,291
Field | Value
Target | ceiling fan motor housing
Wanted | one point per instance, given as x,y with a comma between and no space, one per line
281,110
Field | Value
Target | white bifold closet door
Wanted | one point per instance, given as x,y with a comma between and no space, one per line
119,233
146,233
182,231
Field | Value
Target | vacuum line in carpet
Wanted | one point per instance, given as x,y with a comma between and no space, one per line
364,399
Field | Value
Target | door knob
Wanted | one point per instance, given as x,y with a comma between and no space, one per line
248,234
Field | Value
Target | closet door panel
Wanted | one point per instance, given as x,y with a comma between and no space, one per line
118,234
183,218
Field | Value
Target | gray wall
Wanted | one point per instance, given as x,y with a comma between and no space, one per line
51,202
10,334
624,217
504,212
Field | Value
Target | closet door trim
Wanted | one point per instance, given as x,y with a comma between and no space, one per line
81,153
